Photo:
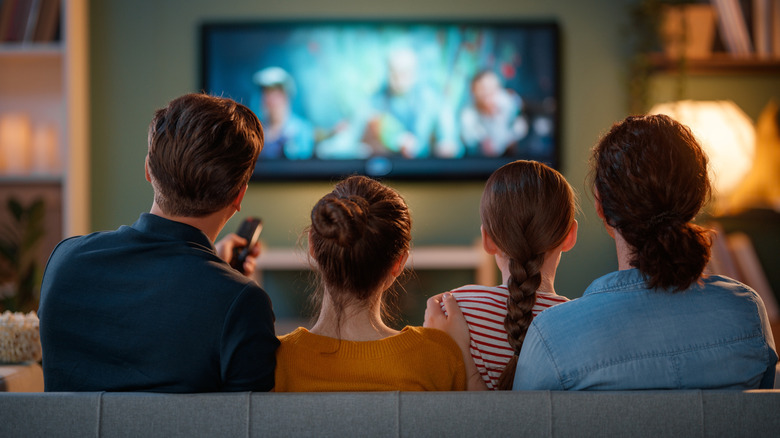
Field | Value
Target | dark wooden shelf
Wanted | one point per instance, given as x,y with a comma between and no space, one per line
33,179
30,50
718,63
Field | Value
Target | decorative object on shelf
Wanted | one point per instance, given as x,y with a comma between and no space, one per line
655,34
761,186
45,154
688,30
727,135
20,276
677,28
27,147
20,339
15,143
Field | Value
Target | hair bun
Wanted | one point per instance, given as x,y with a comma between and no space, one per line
343,220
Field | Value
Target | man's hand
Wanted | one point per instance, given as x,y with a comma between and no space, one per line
225,252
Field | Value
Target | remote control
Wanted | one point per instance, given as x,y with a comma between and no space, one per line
250,230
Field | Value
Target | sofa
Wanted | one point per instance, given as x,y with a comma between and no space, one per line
684,413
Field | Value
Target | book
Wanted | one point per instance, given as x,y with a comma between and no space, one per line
762,27
733,27
775,12
32,20
18,23
48,21
6,12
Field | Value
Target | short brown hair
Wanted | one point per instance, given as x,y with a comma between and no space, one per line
202,151
650,176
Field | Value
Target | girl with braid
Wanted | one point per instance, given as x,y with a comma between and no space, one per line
527,213
359,241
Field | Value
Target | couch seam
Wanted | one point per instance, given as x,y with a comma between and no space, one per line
398,414
702,432
99,413
549,414
248,414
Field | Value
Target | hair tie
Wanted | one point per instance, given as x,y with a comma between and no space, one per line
663,218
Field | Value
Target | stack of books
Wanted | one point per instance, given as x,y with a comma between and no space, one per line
29,21
749,28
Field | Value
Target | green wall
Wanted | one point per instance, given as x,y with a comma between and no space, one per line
145,52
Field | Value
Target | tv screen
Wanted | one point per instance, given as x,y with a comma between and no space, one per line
400,99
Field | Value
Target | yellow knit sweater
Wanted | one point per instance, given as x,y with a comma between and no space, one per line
417,359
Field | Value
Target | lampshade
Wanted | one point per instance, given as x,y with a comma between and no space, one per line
726,134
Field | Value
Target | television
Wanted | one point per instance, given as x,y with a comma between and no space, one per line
390,99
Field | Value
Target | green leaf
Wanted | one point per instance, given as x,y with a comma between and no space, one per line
36,211
31,238
8,233
16,209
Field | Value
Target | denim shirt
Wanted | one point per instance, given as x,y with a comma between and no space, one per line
623,336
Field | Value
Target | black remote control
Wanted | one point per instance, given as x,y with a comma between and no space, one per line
250,230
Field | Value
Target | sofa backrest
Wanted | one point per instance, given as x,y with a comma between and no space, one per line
393,414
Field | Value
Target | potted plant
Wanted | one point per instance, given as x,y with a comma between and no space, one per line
20,275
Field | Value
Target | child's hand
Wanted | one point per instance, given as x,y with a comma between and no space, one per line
449,320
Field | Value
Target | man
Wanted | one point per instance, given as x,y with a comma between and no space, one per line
287,135
152,307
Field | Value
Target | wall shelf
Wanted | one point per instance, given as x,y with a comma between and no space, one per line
32,179
718,63
30,50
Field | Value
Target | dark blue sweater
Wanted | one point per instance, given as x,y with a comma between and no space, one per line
151,307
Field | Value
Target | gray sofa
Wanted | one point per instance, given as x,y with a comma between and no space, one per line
391,414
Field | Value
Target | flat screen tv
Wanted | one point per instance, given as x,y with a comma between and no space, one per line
393,99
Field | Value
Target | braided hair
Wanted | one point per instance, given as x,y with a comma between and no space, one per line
527,209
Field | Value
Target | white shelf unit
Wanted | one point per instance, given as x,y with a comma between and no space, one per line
49,82
421,258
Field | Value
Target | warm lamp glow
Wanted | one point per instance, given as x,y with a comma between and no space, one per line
725,132
15,138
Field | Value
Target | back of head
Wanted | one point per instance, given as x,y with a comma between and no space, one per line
650,177
358,231
202,151
527,209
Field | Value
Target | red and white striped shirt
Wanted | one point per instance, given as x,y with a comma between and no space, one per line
485,309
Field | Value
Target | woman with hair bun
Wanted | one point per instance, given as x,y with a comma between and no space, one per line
658,322
359,239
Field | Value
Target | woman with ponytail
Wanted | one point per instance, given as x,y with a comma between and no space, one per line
527,213
359,240
658,322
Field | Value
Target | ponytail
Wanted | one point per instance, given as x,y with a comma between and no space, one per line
650,177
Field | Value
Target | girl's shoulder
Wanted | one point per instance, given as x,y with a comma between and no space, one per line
478,288
428,337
